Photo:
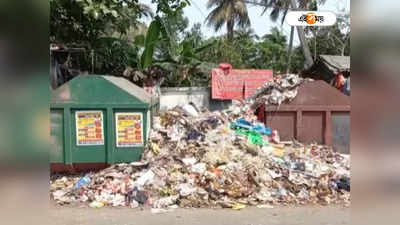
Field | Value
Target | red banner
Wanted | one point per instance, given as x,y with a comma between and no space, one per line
237,84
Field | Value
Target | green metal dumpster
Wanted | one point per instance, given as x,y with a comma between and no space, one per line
98,120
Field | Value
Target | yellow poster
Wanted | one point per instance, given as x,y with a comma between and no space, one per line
129,129
89,128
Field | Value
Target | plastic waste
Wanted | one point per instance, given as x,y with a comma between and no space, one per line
189,161
277,91
211,122
275,137
82,182
267,150
135,194
145,178
186,189
155,148
58,194
255,139
199,168
223,169
274,174
242,123
252,136
165,202
301,166
190,110
174,133
282,192
96,204
195,135
158,211
279,152
238,206
247,125
119,200
260,128
134,204
344,183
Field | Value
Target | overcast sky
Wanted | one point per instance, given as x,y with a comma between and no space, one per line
197,12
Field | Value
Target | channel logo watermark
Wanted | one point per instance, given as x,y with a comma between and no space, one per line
310,18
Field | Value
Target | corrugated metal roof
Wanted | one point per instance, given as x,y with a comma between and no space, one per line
336,63
131,88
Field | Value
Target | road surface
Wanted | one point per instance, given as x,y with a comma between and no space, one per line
305,215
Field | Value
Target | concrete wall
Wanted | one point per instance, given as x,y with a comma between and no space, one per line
200,96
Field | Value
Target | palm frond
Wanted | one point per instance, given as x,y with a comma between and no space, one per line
227,10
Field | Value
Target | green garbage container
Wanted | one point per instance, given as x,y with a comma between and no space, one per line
99,120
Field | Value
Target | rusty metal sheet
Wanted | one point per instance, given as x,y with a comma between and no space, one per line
319,93
312,116
313,127
284,122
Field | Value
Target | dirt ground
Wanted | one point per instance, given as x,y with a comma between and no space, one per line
305,215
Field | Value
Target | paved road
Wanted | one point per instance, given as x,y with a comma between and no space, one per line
306,215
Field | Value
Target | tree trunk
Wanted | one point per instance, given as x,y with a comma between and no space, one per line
342,51
290,50
303,41
229,29
344,46
315,45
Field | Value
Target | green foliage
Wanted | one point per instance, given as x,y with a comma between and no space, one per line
151,39
279,8
170,7
113,55
332,40
98,26
164,53
247,50
122,45
195,34
230,12
102,28
184,67
173,28
83,21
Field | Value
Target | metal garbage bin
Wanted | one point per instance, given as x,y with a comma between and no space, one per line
320,113
98,120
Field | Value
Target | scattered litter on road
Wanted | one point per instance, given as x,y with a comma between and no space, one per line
265,206
159,211
96,204
238,206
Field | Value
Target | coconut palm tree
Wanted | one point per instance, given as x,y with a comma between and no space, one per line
229,12
280,8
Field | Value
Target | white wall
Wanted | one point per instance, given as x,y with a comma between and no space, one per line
171,97
200,96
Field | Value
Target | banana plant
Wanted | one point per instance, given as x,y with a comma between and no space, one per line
146,45
184,63
180,62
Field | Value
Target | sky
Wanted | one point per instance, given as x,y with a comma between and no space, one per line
261,24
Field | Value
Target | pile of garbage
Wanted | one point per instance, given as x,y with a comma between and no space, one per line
281,89
214,159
